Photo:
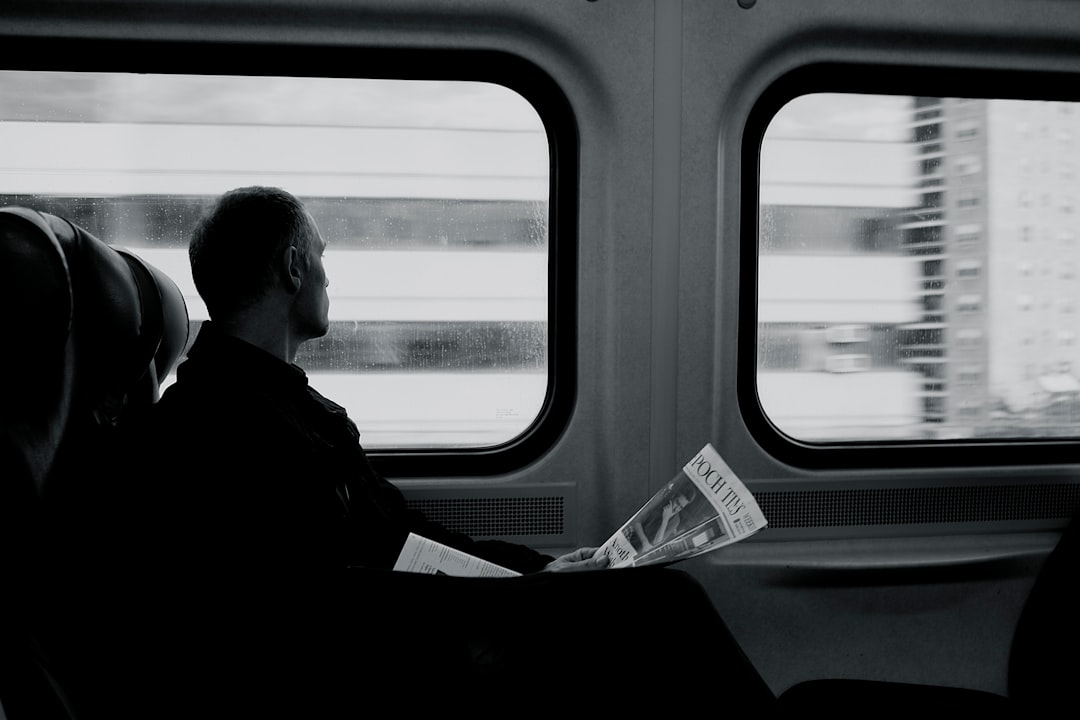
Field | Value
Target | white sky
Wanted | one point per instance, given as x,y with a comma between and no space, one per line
833,116
842,150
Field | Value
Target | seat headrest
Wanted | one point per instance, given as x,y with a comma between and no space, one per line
35,297
92,329
35,291
163,334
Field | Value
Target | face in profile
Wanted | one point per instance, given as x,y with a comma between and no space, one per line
312,306
677,504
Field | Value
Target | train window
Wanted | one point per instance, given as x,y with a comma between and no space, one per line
433,196
899,215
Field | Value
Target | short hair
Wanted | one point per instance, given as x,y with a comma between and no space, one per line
236,246
689,494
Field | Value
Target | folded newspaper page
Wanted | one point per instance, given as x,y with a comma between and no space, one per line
703,508
421,555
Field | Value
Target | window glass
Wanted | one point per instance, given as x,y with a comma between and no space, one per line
927,223
433,197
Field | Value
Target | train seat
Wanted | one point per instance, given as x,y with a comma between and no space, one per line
1043,664
90,331
1043,667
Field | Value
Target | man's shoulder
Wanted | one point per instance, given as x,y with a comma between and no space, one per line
188,397
214,409
187,432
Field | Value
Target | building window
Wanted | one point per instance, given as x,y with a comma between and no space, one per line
968,409
966,129
968,165
967,198
968,233
969,303
969,374
969,337
968,269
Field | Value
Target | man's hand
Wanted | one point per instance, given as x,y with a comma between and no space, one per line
581,559
667,512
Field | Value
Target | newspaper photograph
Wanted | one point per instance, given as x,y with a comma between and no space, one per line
707,536
704,507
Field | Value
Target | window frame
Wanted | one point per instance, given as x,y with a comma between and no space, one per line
276,58
873,79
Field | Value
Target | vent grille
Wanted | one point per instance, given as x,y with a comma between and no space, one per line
545,516
902,506
501,516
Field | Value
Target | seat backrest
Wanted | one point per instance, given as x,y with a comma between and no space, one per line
1044,661
89,333
91,330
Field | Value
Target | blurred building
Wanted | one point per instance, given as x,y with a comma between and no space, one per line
837,286
1000,177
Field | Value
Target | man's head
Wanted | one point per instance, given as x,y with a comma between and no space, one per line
256,241
680,501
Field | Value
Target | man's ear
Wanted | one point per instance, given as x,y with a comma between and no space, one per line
293,268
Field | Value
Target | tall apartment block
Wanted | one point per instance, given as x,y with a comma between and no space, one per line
996,237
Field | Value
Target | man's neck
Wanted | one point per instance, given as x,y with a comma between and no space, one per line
271,337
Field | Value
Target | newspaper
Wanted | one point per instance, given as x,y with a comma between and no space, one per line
704,507
421,555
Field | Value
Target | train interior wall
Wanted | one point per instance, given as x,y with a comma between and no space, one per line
661,92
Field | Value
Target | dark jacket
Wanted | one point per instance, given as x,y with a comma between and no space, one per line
249,465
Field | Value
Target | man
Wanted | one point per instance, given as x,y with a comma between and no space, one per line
275,471
253,539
